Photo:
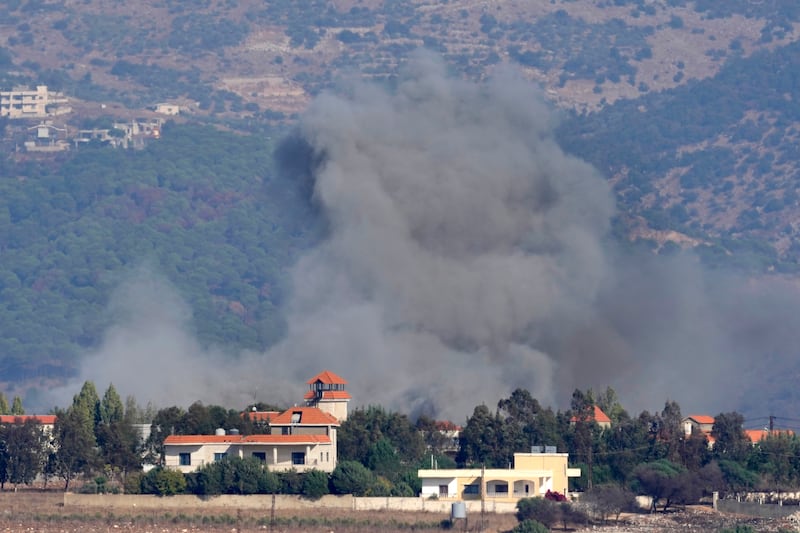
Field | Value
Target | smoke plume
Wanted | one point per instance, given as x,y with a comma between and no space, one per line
466,255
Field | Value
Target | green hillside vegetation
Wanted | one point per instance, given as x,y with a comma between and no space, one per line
202,207
732,141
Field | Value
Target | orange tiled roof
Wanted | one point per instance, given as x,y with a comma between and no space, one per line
598,416
286,439
203,439
329,395
21,419
309,416
446,425
757,435
327,377
250,439
701,419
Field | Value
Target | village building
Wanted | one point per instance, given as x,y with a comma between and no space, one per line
301,438
22,103
533,474
597,416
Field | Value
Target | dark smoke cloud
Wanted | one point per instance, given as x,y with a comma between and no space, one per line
460,234
466,255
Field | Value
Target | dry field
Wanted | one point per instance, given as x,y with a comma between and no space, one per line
43,512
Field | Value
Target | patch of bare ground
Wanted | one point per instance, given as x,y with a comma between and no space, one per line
694,518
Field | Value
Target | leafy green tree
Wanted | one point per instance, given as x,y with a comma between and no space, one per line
737,478
291,482
315,484
609,500
163,482
730,441
74,443
538,509
16,406
4,408
26,454
111,408
87,403
609,403
365,427
482,440
667,482
351,477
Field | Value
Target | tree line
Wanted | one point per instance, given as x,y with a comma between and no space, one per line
98,439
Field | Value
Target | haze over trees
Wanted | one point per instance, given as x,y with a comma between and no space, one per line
95,447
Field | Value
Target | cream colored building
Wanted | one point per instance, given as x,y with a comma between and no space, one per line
533,474
327,392
301,438
187,453
24,103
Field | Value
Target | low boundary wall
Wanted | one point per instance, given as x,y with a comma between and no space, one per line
762,510
282,501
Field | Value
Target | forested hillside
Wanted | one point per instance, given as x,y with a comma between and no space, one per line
201,207
688,109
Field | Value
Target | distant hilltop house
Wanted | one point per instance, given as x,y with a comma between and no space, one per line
704,424
301,438
533,474
597,416
22,103
168,109
46,422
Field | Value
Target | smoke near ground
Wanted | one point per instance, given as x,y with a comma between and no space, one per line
466,255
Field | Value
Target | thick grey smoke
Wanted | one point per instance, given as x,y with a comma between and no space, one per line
467,255
461,234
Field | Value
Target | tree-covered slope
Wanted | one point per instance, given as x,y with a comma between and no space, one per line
201,207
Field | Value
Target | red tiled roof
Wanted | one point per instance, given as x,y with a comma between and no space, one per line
329,395
309,416
446,425
598,416
286,439
203,439
327,377
701,419
757,435
21,419
251,439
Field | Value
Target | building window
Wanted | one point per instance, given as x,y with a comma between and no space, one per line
472,489
443,490
501,488
298,458
284,430
185,459
219,456
261,456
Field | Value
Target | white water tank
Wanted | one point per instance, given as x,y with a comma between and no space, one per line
219,431
458,510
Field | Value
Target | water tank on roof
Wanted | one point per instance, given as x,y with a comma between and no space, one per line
219,432
458,510
233,431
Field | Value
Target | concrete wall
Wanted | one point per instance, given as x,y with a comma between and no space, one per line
282,501
766,510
